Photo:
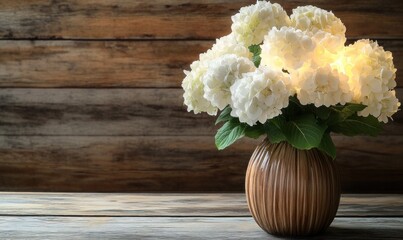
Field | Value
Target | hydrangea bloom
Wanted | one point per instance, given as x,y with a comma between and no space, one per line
253,22
220,76
287,48
259,95
327,48
322,87
371,77
313,19
328,32
390,105
226,45
194,90
193,85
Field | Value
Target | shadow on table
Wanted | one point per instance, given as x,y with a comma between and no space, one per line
337,232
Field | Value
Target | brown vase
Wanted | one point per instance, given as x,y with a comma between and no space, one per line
292,192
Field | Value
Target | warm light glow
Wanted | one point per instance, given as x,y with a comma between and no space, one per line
342,65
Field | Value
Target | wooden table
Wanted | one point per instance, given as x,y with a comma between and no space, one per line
176,216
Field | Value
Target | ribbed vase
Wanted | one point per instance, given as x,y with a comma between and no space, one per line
292,192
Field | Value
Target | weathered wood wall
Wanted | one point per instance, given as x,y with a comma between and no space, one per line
90,97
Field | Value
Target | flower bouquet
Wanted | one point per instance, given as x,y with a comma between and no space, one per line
294,80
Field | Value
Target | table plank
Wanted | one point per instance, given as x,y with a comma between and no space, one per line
181,228
138,205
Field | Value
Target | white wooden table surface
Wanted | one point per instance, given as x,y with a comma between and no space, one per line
176,216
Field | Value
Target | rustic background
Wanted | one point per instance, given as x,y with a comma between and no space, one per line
90,97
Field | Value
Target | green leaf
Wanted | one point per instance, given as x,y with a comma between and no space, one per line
327,145
304,132
255,50
294,108
342,112
357,125
351,108
295,100
322,112
229,133
224,116
254,131
274,129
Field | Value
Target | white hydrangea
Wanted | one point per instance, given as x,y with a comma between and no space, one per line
192,83
322,87
259,95
382,109
226,45
371,77
287,48
304,54
221,75
390,105
194,90
253,22
313,19
327,48
327,31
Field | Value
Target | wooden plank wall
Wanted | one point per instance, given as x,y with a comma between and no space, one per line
90,97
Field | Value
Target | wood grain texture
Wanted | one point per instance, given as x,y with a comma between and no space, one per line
120,164
111,112
173,204
97,63
106,112
155,64
291,192
136,164
204,19
175,216
17,227
73,139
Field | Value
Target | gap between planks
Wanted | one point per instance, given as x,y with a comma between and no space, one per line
172,205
